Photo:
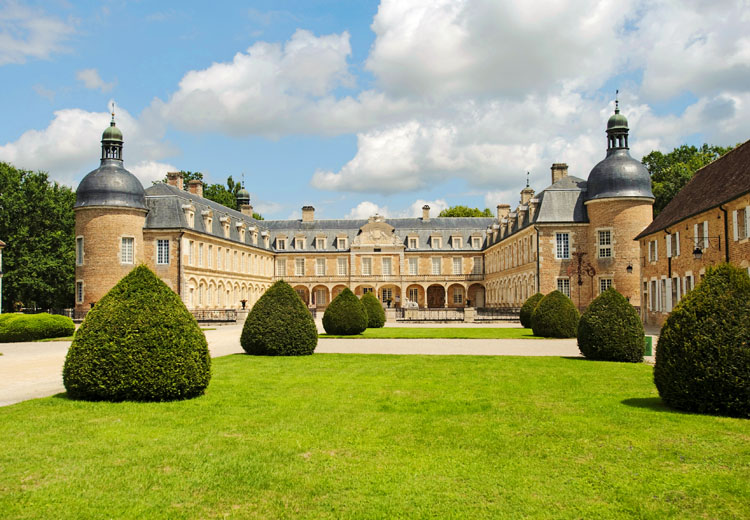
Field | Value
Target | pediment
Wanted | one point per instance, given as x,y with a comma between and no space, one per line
377,233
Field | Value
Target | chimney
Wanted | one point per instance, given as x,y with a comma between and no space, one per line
195,187
308,214
246,209
425,213
175,179
559,170
502,211
533,206
526,195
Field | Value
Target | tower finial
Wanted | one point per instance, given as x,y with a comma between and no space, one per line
527,179
112,123
617,102
243,180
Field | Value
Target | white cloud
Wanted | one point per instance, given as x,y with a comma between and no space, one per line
367,209
415,210
150,171
92,80
28,33
69,147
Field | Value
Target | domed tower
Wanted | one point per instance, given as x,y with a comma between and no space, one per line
110,213
619,203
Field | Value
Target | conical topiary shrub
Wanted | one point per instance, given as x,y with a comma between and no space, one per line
345,315
611,330
528,309
279,325
139,343
703,355
555,317
375,312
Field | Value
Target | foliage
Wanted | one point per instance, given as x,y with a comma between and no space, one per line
38,225
339,436
345,315
375,312
279,325
528,309
611,330
139,343
555,317
464,211
703,355
671,171
31,327
224,195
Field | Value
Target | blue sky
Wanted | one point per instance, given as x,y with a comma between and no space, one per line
364,106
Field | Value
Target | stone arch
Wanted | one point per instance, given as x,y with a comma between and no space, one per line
360,289
436,296
318,293
337,290
421,294
456,295
475,296
304,293
395,294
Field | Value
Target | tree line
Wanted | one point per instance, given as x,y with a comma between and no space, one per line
38,224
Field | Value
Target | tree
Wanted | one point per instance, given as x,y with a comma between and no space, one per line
38,225
671,171
465,211
224,195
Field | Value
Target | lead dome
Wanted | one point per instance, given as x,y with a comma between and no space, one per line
618,175
111,184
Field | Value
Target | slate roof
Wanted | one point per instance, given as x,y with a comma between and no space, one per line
725,179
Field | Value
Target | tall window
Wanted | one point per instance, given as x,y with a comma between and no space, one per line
341,266
413,266
563,245
200,262
79,292
477,268
79,251
605,244
320,266
162,252
366,266
563,285
457,266
604,284
228,261
299,267
218,258
387,295
210,257
387,266
235,262
436,265
414,294
281,267
458,295
126,251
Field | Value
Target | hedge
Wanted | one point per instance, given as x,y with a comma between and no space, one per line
139,343
555,317
279,324
611,329
528,309
375,312
703,355
31,327
345,315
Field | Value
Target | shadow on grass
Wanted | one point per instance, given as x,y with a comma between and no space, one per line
651,403
64,396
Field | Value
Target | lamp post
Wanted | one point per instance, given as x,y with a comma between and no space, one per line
579,268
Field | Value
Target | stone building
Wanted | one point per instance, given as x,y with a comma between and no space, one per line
576,235
707,222
218,258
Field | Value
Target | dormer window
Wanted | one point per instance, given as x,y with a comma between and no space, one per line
437,242
320,243
299,243
281,244
341,243
413,242
476,242
208,220
266,238
225,221
241,230
457,242
189,210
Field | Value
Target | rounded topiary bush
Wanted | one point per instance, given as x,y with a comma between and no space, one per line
703,355
139,343
555,316
279,325
31,327
375,312
345,315
528,309
611,330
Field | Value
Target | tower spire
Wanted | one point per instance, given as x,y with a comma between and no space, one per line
617,128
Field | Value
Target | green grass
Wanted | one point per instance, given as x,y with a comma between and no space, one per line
352,436
439,332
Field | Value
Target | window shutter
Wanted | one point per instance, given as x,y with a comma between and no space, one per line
677,244
734,224
705,234
747,221
695,235
656,250
669,245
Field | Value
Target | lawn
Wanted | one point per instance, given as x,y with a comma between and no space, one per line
352,436
443,332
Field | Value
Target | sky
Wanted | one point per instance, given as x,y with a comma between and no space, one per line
358,106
